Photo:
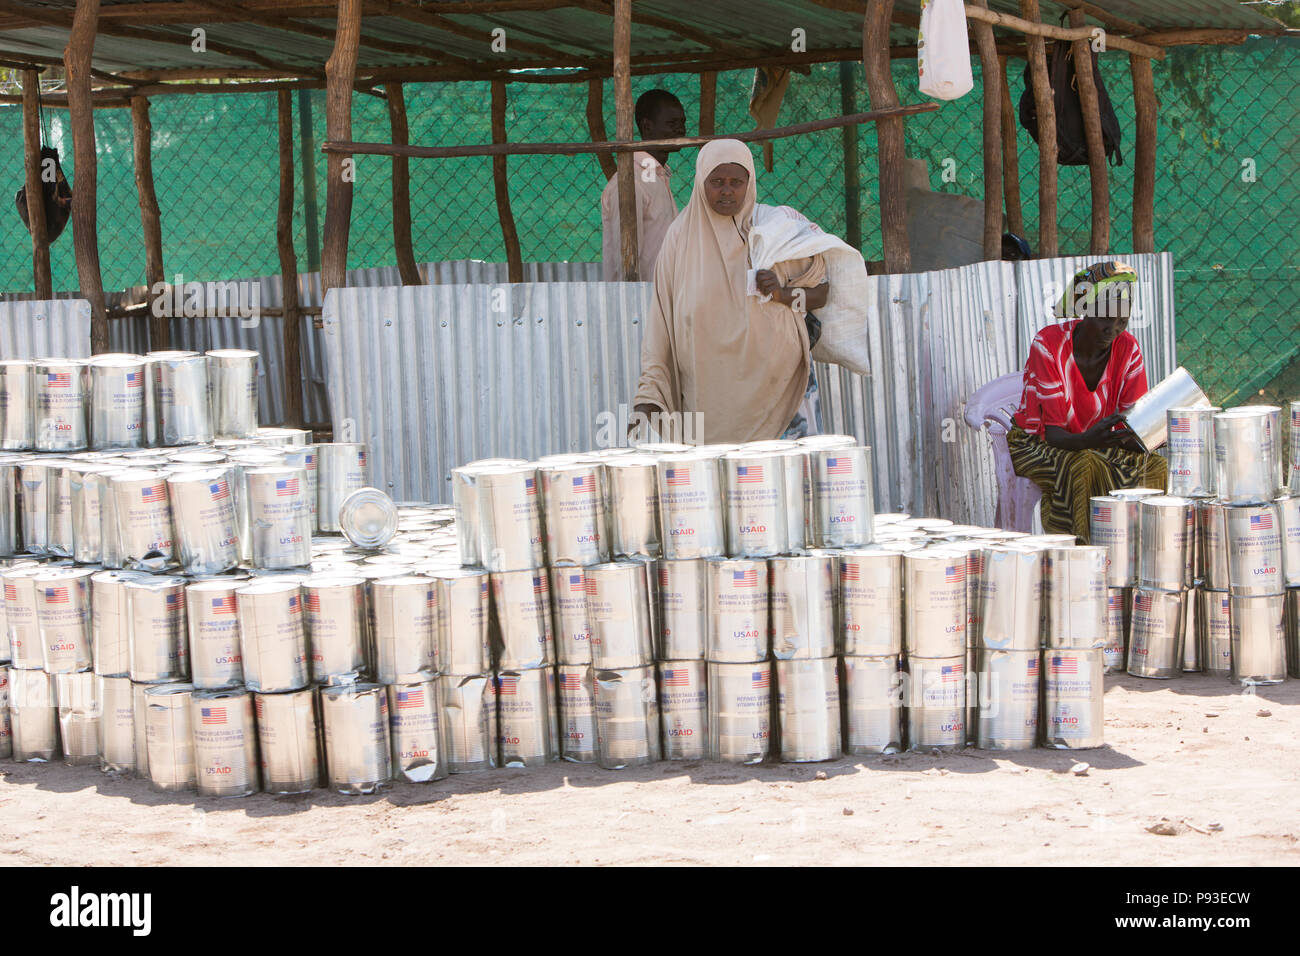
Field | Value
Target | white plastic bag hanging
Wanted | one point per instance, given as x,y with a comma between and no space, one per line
943,50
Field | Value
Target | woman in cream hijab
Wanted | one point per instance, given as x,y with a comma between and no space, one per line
713,345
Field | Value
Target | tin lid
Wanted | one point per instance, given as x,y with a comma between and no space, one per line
168,689
164,355
236,355
217,584
116,360
194,475
827,441
16,363
270,586
662,447
350,690
1165,501
1134,494
327,580
56,362
197,457
403,580
634,460
368,518
156,582
225,693
65,574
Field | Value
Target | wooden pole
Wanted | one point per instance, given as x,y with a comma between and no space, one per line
708,103
596,125
852,175
627,220
1078,31
150,217
401,188
991,80
501,183
41,281
1099,243
1010,157
310,202
85,237
889,135
1144,172
292,370
1036,47
340,72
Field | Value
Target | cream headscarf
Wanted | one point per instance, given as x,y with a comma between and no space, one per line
708,347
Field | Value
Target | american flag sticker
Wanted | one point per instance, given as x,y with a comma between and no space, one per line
570,681
576,584
407,699
530,486
539,584
56,595
761,679
1143,602
1261,522
220,490
1101,513
954,574
212,715
849,571
313,601
1180,425
172,602
677,476
11,592
508,684
663,576
744,579
749,473
286,486
309,462
1065,665
1032,669
295,606
839,466
952,672
134,380
584,485
58,380
1112,602
224,605
152,494
677,677
431,599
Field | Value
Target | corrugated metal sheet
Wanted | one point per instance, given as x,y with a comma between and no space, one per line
434,376
1042,283
38,329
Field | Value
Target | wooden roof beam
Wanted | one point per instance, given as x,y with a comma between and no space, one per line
407,10
702,37
1060,33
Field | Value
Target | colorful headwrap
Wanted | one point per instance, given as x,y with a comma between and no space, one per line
1087,286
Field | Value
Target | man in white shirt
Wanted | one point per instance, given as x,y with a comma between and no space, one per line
659,115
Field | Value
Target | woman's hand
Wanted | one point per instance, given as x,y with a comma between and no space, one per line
644,410
769,284
1100,435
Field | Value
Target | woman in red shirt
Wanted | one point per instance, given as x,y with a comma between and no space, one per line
1068,436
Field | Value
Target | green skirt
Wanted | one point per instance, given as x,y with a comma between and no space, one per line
1069,479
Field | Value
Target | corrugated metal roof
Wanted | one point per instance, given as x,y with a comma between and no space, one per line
58,328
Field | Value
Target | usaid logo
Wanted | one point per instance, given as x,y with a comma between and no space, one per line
75,909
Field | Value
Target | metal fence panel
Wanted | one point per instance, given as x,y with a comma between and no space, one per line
58,328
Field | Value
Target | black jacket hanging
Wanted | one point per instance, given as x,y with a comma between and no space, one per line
57,196
1071,142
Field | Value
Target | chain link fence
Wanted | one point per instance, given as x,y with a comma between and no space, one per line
1227,185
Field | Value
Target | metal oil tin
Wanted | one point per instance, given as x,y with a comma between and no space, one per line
60,400
225,742
1113,525
738,622
1258,628
289,741
935,606
17,385
58,509
169,731
808,707
33,716
690,506
871,601
342,468
358,748
158,644
1009,699
510,526
20,616
1254,549
1191,628
1075,595
740,703
1292,627
1212,534
1119,615
203,510
1245,466
279,519
216,655
577,713
117,406
936,702
521,601
116,725
469,722
803,607
526,717
306,458
576,529
1072,699
10,508
684,709
1156,640
840,488
33,475
572,623
415,724
633,487
144,519
464,496
1165,543
873,704
683,603
180,382
272,636
618,605
1289,509
627,717
1191,451
1011,598
89,488
232,378
110,623
1215,634
79,717
463,603
406,617
754,501
63,619
335,616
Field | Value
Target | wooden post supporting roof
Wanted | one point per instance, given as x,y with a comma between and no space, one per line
889,135
623,130
1099,242
41,281
1144,163
292,317
991,79
85,238
852,174
501,184
1010,157
340,72
708,103
150,218
401,188
596,124
1036,47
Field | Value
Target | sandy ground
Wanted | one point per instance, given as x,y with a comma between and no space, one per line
1194,772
